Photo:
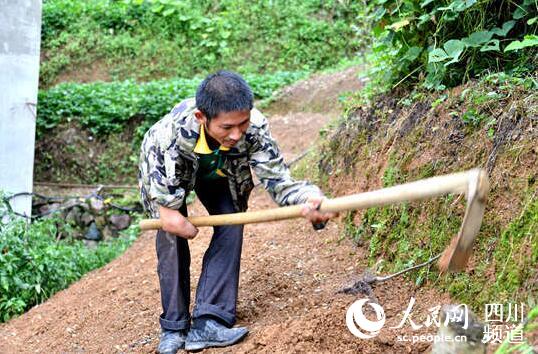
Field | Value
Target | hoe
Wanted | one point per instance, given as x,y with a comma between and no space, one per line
473,183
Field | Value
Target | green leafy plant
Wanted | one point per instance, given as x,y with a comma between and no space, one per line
183,38
443,43
524,347
34,264
528,41
105,108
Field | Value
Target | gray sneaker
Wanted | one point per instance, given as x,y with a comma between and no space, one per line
171,341
210,333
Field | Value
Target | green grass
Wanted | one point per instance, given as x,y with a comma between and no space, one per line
528,327
402,235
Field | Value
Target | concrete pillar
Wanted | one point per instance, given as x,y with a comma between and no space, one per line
20,37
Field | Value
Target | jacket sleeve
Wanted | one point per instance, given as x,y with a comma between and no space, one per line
158,182
268,165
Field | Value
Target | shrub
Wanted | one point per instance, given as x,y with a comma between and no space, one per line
443,43
34,264
149,39
105,108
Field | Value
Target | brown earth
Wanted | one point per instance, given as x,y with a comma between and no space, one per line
288,289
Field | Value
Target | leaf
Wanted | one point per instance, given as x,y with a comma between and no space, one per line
532,21
424,18
379,13
452,50
412,53
437,55
396,26
426,3
491,45
519,13
528,41
459,5
476,39
454,47
507,26
168,12
378,30
157,9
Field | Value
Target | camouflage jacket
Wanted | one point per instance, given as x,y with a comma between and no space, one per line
168,165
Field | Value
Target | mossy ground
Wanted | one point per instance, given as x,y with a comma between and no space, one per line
404,137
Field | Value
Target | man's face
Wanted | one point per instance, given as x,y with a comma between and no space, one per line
226,128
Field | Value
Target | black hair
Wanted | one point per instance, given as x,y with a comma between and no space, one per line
223,91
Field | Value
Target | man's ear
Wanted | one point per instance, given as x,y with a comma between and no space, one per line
200,117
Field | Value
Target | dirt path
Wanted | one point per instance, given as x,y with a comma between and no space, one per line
288,289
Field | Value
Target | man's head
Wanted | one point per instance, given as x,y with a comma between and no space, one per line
223,102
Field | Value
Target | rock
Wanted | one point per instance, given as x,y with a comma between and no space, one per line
93,233
457,320
79,235
96,204
91,243
73,216
108,233
120,222
86,219
49,209
73,202
100,221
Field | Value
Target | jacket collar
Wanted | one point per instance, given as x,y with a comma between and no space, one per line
202,146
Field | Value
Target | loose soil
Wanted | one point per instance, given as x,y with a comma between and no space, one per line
290,279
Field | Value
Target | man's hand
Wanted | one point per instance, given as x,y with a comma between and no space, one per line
175,223
311,212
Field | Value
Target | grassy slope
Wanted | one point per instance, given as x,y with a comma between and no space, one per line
146,40
399,138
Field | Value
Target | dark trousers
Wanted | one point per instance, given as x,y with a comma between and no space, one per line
216,294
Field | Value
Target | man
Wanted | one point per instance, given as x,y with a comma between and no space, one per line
210,145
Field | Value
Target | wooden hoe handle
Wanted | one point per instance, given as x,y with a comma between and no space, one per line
422,189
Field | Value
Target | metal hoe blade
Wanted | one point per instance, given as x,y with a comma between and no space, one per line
462,246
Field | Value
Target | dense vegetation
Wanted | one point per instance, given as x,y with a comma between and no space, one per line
35,263
452,85
105,108
149,39
439,44
110,119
